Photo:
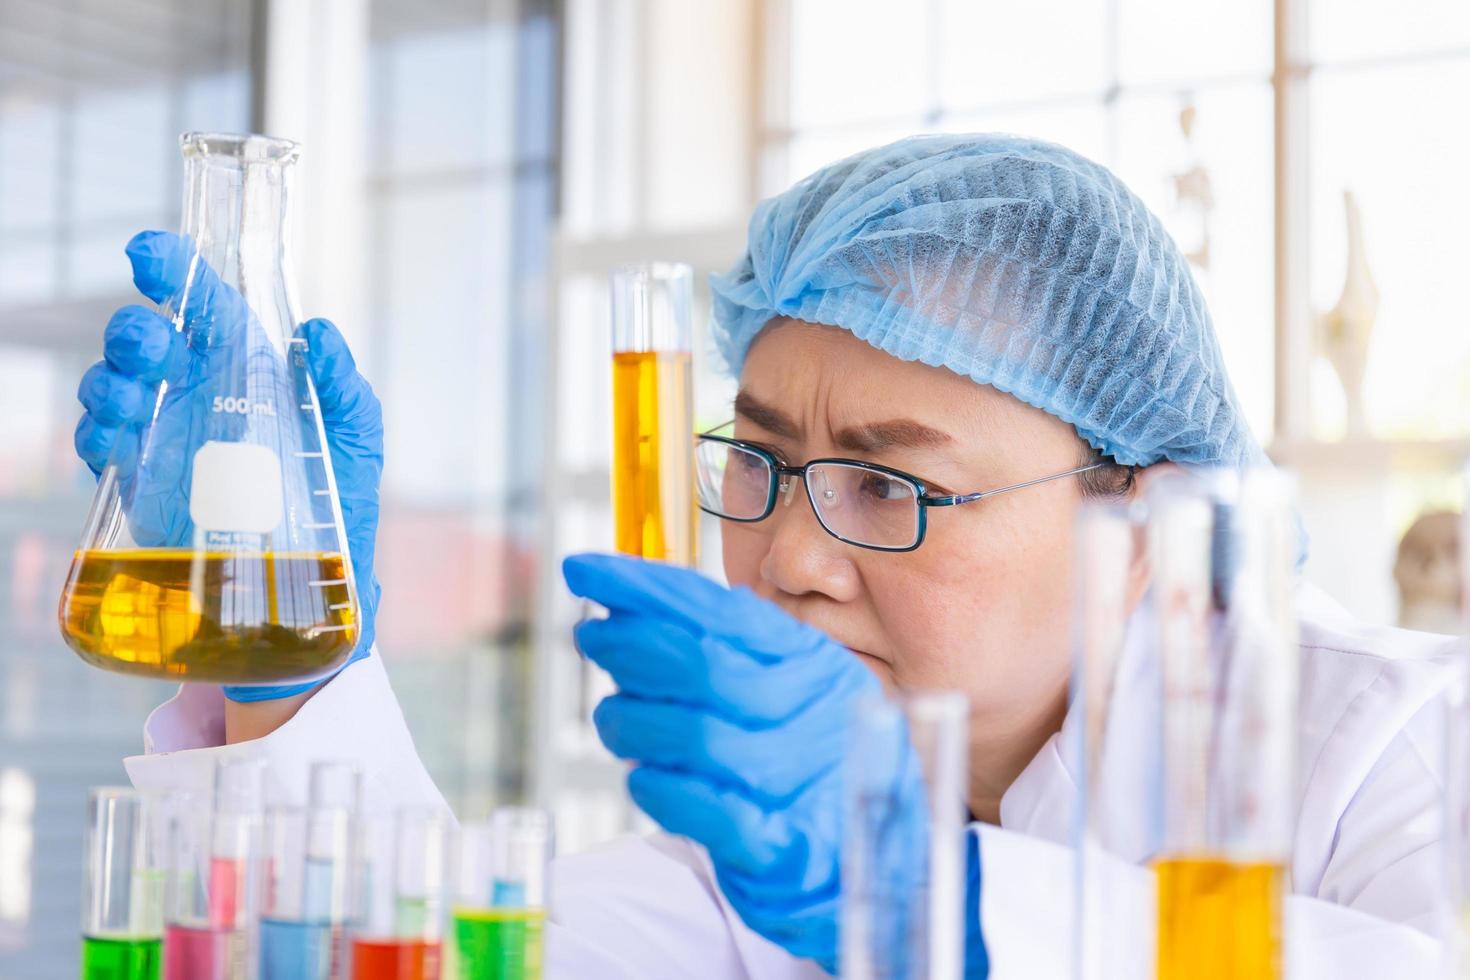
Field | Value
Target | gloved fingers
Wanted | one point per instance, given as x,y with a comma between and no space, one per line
111,398
655,657
125,450
351,412
93,442
160,263
156,501
138,342
684,596
168,270
158,514
741,838
808,930
731,827
769,765
646,656
360,520
117,406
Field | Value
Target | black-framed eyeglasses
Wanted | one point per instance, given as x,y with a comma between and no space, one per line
860,503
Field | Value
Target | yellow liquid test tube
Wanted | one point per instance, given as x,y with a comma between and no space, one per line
654,510
1219,919
653,502
1222,551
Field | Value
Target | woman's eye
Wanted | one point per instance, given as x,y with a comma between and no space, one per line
876,487
749,463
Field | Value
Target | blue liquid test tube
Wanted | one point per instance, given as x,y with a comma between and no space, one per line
308,859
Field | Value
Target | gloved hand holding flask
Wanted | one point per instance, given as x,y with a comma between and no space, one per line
142,349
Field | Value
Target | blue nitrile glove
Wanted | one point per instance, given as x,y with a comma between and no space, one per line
141,348
737,716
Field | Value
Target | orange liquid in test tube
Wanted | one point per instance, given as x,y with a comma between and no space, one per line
654,514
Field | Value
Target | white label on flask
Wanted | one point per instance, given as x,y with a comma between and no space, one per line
236,487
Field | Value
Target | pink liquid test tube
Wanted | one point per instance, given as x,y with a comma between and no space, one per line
212,884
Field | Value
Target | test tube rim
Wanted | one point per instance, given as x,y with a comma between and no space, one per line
328,765
664,270
243,148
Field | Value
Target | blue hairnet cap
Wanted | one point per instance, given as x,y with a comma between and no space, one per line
1011,261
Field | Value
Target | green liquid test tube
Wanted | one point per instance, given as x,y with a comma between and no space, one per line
500,898
121,959
499,944
122,913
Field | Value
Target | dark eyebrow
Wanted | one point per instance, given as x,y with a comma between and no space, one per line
894,433
870,438
773,420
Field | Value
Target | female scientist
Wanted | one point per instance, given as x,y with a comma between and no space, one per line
984,313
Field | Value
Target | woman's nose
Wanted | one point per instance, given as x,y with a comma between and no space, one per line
803,558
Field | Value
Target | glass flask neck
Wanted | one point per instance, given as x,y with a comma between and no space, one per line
237,207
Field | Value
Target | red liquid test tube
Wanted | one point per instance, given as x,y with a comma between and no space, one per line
401,881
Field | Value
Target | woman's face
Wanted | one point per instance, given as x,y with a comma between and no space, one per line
984,604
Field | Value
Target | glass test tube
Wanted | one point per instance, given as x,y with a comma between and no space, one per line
307,865
1460,752
899,921
1223,549
1110,734
400,889
1457,781
654,512
212,879
500,896
122,901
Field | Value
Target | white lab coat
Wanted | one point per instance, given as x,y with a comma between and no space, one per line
1367,870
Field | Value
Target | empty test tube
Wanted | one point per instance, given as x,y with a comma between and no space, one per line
907,765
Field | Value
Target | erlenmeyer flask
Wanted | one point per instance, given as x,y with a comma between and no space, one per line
214,549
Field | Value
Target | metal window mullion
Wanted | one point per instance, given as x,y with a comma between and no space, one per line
259,58
1291,186
772,121
1112,61
561,773
643,123
757,67
934,112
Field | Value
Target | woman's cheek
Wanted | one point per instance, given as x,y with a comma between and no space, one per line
936,635
742,553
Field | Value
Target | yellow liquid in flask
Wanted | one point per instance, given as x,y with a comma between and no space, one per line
654,511
1219,919
227,617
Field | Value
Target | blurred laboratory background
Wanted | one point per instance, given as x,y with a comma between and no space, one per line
473,169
